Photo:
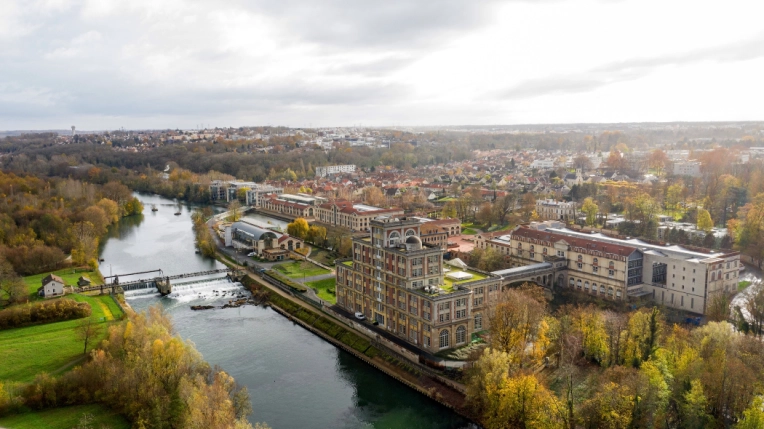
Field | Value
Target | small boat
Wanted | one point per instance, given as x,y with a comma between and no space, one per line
177,213
154,208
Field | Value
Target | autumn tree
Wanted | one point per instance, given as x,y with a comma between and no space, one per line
298,228
704,220
514,322
583,162
528,205
590,209
374,196
316,234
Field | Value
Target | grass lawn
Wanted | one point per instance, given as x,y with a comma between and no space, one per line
448,284
742,285
65,418
323,287
468,231
69,276
499,228
294,270
34,349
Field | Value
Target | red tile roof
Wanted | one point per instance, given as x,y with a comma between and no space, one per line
584,245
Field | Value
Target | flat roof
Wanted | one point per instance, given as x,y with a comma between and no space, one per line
523,269
365,208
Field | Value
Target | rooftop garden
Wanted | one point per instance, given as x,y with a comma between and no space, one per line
348,263
448,284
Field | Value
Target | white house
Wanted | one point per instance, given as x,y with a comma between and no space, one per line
52,286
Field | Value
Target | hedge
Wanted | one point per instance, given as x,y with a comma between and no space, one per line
43,312
286,281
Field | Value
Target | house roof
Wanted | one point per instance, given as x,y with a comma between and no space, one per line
589,245
52,277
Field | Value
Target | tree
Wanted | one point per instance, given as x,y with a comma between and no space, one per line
488,370
658,160
521,401
449,210
753,416
590,209
528,205
234,209
514,322
12,287
695,408
485,215
298,228
110,208
373,196
616,161
132,207
583,162
316,234
88,329
704,220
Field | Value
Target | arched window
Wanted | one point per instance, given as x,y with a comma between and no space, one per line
444,338
596,261
602,289
394,237
578,283
519,245
612,265
544,252
610,292
410,232
713,276
586,286
461,333
594,287
478,321
533,248
572,282
618,293
580,258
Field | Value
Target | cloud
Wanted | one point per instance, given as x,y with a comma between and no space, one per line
632,69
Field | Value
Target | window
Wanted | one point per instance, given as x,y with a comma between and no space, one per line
460,314
578,284
586,286
461,333
444,338
612,265
444,317
580,258
611,273
572,282
427,341
594,287
478,321
477,301
596,261
560,253
580,266
595,269
461,302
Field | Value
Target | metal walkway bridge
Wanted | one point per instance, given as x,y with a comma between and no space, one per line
161,282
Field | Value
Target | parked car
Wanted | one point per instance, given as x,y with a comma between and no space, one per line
359,316
251,254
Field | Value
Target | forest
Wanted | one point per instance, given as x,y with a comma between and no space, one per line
583,367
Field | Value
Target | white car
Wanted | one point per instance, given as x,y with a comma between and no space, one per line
251,254
360,316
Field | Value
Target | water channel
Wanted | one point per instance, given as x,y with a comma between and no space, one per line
295,379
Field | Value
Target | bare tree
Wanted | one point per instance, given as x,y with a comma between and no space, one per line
87,329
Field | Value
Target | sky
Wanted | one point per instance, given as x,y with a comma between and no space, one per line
140,64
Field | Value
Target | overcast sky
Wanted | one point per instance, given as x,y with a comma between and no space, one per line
103,64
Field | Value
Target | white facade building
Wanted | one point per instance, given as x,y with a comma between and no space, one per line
688,168
334,169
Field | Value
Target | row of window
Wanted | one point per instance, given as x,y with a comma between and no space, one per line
601,289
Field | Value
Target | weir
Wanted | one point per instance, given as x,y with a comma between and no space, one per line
162,284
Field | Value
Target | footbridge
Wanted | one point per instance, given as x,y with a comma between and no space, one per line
542,273
161,282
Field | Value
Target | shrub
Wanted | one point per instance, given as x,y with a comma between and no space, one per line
43,312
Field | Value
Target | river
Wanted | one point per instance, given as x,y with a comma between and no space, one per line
295,379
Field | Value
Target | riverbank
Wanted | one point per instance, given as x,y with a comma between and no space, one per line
344,337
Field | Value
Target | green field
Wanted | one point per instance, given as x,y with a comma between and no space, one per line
295,270
69,276
742,285
66,418
49,348
323,287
